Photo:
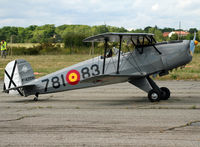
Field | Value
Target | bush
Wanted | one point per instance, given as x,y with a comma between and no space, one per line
49,48
43,48
74,41
23,51
197,49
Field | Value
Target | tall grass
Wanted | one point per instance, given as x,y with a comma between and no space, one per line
197,49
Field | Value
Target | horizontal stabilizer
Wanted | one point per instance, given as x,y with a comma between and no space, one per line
111,78
19,87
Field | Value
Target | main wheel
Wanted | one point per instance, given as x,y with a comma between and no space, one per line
165,93
35,99
154,96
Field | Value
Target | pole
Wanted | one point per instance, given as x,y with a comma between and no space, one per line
11,41
92,47
179,34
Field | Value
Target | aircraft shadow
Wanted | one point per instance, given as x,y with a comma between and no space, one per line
126,101
107,102
27,101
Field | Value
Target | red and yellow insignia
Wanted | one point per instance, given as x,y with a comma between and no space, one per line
73,77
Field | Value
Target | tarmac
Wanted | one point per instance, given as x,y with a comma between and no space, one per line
113,115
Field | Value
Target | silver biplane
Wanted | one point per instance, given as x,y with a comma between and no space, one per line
134,66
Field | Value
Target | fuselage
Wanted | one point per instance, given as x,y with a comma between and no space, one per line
150,61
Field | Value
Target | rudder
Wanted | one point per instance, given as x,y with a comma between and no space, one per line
17,73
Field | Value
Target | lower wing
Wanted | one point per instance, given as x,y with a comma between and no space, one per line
112,78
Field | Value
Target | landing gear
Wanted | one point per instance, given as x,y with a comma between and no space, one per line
36,97
157,94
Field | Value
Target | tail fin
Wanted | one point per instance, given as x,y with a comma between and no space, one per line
17,73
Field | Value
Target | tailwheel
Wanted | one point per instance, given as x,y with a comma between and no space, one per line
154,96
165,93
36,97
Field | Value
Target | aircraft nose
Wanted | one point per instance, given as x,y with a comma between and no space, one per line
193,43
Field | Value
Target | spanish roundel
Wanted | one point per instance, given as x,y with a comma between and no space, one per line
73,77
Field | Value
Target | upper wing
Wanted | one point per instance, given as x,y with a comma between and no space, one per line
113,78
115,37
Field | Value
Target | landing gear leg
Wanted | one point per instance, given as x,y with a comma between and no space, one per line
36,97
155,94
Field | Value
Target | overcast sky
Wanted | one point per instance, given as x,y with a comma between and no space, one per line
130,14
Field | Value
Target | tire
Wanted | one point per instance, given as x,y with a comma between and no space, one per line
154,96
35,99
165,95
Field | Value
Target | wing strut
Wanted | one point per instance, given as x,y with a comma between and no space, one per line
151,41
120,47
105,50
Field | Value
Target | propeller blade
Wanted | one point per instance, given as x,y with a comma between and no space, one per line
192,46
193,43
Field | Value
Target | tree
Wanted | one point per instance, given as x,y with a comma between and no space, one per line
116,29
192,30
49,33
167,30
147,29
7,31
158,34
74,40
43,34
174,37
138,31
21,35
32,28
99,29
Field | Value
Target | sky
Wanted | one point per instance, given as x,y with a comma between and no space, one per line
130,14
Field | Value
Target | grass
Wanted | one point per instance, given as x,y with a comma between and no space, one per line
45,64
193,107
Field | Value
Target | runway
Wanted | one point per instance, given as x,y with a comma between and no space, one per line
113,115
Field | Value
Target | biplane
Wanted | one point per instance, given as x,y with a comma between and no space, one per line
146,58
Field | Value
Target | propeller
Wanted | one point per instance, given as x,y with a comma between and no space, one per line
193,43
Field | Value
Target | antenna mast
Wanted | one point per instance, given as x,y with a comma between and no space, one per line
179,34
